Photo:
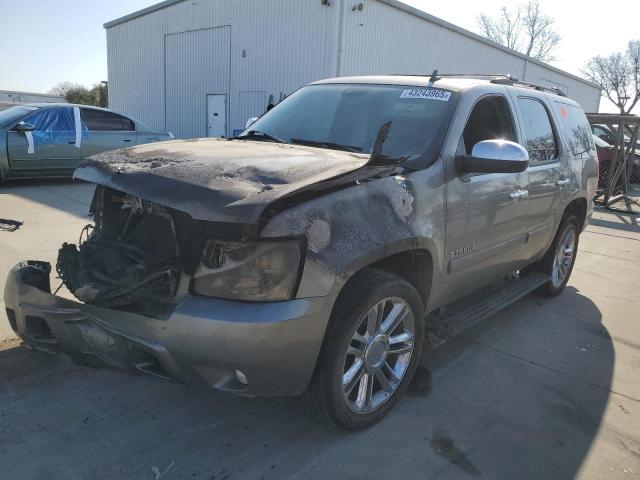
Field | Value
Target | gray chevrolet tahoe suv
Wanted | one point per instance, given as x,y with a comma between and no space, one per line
308,254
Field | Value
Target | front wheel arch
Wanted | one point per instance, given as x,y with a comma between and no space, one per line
414,265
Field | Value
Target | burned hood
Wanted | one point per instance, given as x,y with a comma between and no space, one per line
215,179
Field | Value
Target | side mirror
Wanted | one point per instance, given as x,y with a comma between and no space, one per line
250,122
24,127
494,156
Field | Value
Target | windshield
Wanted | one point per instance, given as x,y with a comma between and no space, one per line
348,117
13,114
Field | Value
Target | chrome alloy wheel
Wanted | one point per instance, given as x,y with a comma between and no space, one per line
378,355
563,259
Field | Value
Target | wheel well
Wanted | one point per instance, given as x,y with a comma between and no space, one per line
579,208
414,266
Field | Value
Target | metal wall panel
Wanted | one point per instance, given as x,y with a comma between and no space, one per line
382,39
197,64
135,56
276,46
587,96
250,104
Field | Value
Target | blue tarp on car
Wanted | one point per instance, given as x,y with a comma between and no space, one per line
54,126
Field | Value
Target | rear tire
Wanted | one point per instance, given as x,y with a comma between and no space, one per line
371,350
559,260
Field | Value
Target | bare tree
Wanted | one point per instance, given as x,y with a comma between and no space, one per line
618,75
505,30
525,29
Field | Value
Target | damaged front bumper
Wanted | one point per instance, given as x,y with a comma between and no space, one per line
246,348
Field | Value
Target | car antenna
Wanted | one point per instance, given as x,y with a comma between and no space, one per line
434,77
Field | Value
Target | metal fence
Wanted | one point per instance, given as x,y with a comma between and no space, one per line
618,161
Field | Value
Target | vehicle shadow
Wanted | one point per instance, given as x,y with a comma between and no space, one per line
517,396
627,222
535,379
67,195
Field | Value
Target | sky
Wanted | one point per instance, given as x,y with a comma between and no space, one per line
63,40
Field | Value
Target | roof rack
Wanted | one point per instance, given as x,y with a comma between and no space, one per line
496,78
436,75
520,83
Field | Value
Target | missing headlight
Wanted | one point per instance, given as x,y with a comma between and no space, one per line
262,271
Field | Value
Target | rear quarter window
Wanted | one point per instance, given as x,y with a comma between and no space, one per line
576,129
101,121
539,135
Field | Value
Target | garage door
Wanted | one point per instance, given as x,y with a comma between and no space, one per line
196,66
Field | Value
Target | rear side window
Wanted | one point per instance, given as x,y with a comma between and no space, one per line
100,121
577,129
539,137
127,125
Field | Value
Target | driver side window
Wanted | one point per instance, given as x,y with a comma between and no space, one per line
490,119
52,125
52,120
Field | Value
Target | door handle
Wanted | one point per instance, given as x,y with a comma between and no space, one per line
517,194
127,139
562,182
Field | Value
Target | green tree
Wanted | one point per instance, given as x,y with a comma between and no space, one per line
76,93
80,95
100,94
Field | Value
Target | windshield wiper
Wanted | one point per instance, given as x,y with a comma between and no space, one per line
331,145
257,134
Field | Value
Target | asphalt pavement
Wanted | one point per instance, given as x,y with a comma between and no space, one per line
547,389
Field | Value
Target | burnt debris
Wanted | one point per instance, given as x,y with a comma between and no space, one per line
7,225
138,255
131,253
109,273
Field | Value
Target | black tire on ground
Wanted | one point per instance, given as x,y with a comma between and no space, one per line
546,265
365,291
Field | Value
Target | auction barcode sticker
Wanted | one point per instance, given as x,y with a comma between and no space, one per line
427,94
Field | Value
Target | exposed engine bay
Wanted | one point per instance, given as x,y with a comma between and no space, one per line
138,250
162,232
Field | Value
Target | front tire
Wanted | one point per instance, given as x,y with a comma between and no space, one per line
371,350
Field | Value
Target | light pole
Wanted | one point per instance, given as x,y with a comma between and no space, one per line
106,93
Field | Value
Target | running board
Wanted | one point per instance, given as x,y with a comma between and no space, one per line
454,323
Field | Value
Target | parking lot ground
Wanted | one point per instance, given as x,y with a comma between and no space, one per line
548,389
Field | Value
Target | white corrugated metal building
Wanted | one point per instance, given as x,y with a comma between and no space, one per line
203,67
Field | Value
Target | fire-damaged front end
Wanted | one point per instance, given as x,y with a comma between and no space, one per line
175,293
261,348
132,254
219,262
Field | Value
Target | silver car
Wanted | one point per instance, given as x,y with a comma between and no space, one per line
50,139
305,255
